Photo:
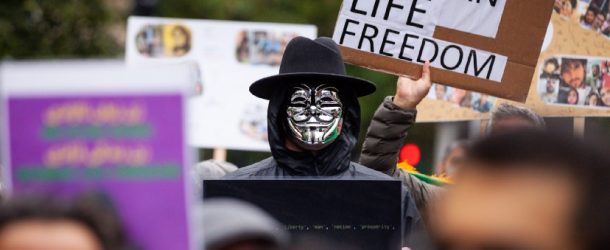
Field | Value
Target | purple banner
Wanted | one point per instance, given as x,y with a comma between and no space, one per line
131,147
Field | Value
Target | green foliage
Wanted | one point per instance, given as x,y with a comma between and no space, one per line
321,13
55,28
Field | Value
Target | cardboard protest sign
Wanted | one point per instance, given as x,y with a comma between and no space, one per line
569,47
338,210
489,46
75,127
574,64
231,56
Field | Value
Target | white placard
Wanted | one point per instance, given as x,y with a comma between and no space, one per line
480,17
417,48
415,16
60,77
63,118
231,56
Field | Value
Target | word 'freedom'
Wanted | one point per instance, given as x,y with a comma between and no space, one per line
403,30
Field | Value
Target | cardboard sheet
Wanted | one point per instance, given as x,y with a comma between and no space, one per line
374,35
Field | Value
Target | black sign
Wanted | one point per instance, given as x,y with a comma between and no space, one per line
364,214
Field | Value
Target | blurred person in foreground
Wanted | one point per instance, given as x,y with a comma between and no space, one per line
39,222
230,224
314,120
527,190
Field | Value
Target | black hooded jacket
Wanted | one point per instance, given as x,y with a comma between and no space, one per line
333,162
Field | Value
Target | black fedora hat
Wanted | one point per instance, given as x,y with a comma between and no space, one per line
311,61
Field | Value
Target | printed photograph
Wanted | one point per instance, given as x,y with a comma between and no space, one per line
462,98
577,81
164,41
261,47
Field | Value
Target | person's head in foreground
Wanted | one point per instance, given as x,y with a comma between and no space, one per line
509,118
527,190
316,242
235,225
313,114
36,223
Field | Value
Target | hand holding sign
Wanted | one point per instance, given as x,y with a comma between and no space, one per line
410,92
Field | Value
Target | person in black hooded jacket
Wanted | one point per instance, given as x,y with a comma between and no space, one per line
313,84
314,119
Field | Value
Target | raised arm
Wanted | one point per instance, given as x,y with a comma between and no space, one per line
388,131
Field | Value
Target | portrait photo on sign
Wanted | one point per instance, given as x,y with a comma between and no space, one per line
261,46
575,81
164,41
477,102
590,14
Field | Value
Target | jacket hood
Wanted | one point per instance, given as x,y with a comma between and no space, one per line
332,160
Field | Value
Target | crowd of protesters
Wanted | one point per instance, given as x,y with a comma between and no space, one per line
518,187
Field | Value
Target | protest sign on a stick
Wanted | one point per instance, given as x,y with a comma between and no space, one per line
73,128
